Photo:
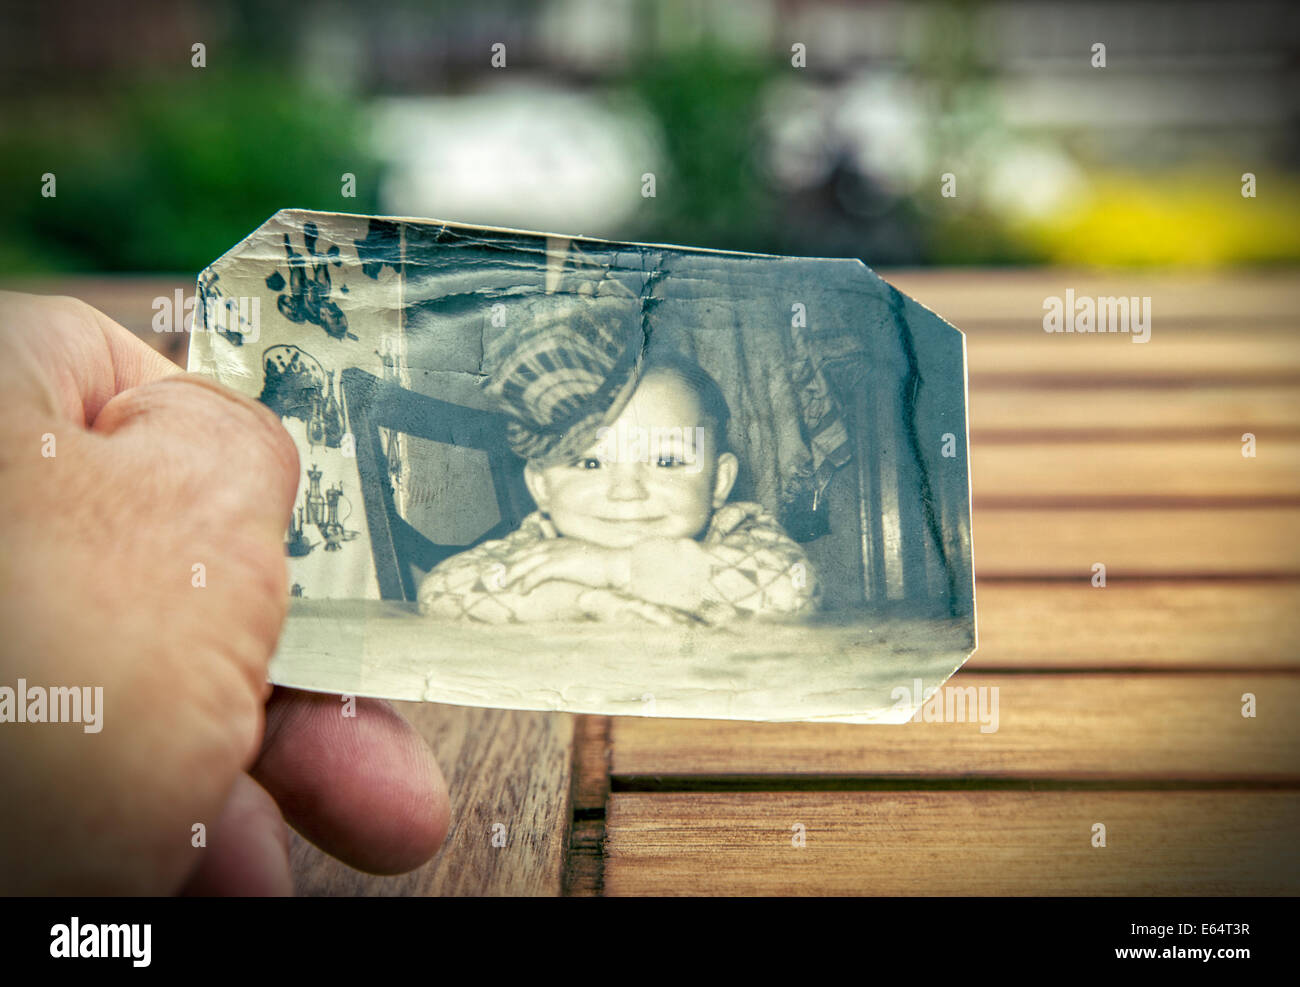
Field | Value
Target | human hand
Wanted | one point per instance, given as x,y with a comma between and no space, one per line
572,560
118,476
612,606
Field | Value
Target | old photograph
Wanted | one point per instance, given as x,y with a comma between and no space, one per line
548,472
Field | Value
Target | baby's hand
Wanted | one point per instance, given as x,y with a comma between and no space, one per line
610,605
572,560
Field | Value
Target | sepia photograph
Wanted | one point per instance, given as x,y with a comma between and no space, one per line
550,472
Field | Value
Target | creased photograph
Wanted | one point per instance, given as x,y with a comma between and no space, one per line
547,472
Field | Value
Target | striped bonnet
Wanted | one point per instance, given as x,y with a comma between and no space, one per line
564,365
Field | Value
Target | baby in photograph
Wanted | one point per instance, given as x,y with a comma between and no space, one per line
635,522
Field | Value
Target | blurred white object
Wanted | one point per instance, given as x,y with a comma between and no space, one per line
523,156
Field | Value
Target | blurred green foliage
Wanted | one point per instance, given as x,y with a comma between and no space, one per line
167,174
708,103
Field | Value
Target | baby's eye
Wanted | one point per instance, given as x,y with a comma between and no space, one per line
668,461
587,464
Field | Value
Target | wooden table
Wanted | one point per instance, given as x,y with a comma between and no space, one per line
1119,705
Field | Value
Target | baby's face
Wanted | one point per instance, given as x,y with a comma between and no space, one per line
654,474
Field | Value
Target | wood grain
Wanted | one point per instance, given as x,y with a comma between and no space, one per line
980,297
1071,472
1062,726
1136,542
584,868
502,767
1212,356
1161,625
591,748
1011,413
584,872
954,843
984,298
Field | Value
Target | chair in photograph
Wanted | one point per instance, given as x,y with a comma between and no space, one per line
401,552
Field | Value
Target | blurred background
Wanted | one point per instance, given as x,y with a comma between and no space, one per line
835,148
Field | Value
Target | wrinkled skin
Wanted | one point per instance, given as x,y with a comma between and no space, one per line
154,471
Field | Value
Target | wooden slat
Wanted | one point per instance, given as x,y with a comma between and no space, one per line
1136,542
1224,356
1196,321
1179,624
954,843
502,766
1075,726
981,297
975,295
1134,412
1080,471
